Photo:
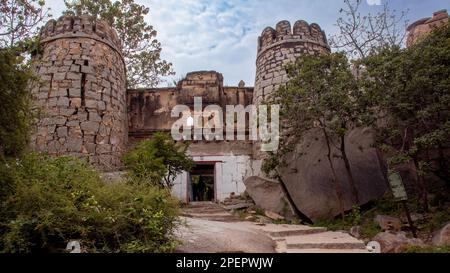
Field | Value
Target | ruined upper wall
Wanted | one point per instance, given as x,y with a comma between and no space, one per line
422,27
149,109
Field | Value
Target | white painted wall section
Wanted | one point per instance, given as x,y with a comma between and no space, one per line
230,171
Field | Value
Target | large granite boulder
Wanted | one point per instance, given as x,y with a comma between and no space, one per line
268,195
308,177
388,222
396,242
442,236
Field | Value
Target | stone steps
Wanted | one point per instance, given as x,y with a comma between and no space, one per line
305,239
280,231
222,217
328,241
288,238
323,250
208,211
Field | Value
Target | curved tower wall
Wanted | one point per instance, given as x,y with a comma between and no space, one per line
280,46
82,97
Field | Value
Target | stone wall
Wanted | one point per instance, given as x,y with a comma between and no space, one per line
82,95
149,109
422,27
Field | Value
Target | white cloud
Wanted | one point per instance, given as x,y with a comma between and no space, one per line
222,35
374,2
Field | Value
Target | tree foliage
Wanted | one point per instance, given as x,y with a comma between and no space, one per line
19,20
142,51
322,93
360,34
412,88
158,160
403,93
15,110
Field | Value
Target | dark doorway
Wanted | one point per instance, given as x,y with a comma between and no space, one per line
202,183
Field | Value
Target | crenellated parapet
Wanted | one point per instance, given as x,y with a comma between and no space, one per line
280,46
84,26
284,33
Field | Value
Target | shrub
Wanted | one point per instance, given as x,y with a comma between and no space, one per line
157,161
416,249
58,199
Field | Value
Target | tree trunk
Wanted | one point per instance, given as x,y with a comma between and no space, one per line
349,171
422,184
337,183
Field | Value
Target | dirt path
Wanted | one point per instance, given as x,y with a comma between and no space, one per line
208,228
204,236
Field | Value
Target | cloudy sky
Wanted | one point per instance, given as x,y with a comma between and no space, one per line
222,35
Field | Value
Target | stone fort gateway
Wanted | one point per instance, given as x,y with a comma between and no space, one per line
87,111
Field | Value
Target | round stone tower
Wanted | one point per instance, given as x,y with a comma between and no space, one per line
82,98
277,48
280,46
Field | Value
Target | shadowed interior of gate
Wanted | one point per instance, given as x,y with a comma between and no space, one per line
202,183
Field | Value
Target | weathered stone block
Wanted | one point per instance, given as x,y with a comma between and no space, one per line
57,121
73,123
90,126
90,147
91,104
73,76
62,131
87,69
75,51
75,68
75,103
59,76
67,112
93,95
74,144
101,105
63,101
54,147
52,102
93,116
74,92
103,148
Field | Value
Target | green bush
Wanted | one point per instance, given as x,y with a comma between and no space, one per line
415,249
57,199
157,161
